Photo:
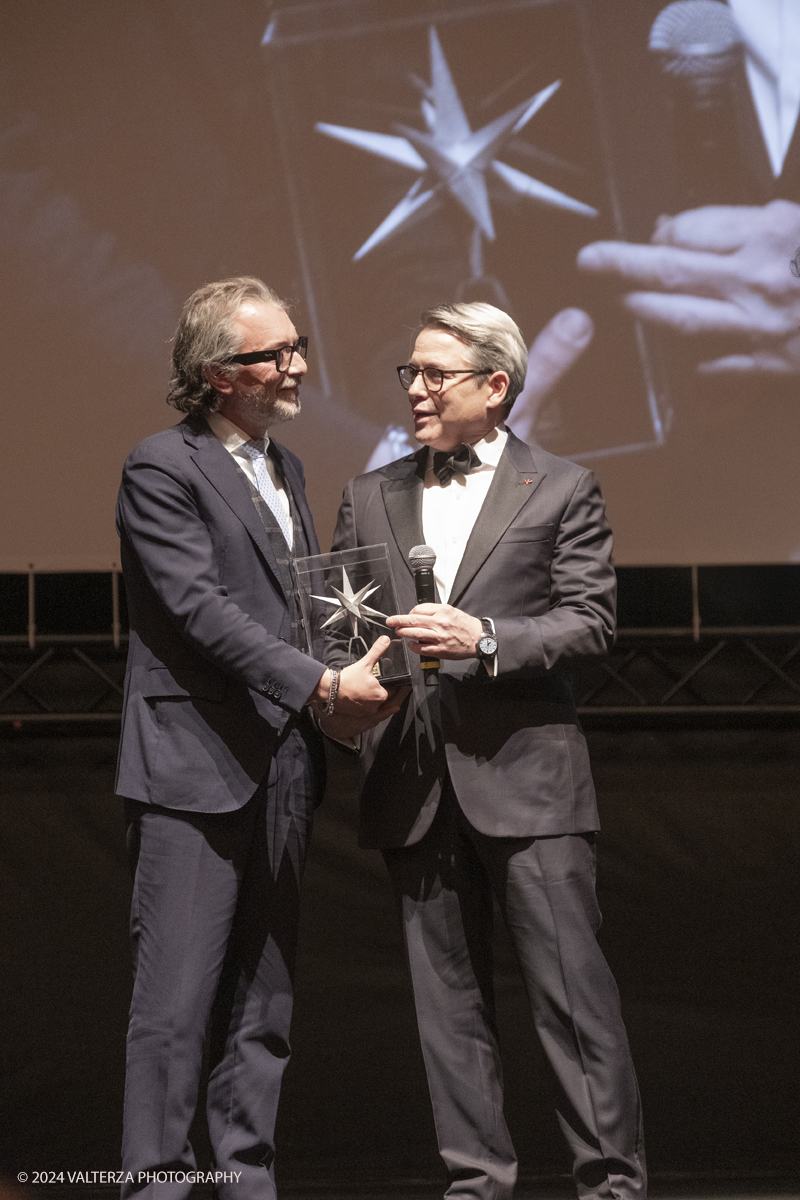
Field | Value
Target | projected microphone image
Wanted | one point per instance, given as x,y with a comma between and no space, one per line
701,50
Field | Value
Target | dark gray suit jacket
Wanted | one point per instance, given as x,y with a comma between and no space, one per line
212,677
538,562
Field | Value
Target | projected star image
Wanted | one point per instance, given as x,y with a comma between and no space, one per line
350,605
450,159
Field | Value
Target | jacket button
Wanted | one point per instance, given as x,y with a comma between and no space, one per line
265,688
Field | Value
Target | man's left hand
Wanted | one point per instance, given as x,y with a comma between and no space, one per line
438,631
344,728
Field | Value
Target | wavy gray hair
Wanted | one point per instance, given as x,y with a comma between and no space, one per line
206,335
493,340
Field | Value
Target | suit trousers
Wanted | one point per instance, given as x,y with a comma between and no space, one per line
545,889
214,931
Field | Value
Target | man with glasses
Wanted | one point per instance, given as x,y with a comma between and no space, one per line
220,764
480,786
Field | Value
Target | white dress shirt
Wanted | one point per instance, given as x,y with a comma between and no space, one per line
771,33
449,512
233,439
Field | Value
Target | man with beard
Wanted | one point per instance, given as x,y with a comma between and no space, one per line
220,763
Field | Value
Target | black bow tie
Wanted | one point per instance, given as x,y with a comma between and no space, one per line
446,463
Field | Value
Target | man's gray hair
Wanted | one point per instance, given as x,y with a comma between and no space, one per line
493,340
206,335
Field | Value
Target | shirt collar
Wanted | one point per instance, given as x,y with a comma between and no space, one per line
231,436
490,449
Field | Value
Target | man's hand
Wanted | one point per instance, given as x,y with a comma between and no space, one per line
360,697
439,631
559,345
717,270
343,727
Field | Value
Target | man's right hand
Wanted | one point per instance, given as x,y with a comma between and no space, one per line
361,700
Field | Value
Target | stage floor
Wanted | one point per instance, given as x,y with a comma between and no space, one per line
697,877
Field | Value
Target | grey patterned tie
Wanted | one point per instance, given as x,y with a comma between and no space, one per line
255,450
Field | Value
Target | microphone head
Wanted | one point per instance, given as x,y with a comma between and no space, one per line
696,38
421,557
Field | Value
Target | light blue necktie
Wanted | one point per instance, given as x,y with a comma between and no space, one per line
255,450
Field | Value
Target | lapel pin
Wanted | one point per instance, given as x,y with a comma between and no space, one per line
527,481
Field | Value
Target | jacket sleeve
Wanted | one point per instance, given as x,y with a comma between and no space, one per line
158,517
582,616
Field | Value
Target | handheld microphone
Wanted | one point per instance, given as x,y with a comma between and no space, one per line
702,56
422,560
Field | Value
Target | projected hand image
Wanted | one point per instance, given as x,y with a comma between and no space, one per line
559,345
720,270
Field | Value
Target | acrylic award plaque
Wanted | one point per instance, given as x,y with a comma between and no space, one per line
346,597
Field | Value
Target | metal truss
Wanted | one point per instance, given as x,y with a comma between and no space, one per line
692,672
649,672
61,679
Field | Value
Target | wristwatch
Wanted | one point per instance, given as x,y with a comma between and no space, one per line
487,643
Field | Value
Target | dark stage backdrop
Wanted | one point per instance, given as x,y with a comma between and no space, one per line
698,869
149,146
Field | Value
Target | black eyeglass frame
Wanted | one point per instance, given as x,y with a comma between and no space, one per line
258,356
441,371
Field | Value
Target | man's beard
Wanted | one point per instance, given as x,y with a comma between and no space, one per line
257,402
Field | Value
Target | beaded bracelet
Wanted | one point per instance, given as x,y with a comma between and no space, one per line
335,676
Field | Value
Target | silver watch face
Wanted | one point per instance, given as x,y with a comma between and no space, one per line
487,646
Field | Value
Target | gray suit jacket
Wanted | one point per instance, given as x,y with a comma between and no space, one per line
212,677
538,562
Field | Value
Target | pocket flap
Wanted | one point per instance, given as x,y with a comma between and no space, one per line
529,533
184,681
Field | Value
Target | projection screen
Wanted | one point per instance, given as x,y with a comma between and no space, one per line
622,176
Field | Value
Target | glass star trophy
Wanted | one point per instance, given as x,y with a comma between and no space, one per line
346,597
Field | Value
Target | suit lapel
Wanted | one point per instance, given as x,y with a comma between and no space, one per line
787,184
402,498
221,472
751,180
515,481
